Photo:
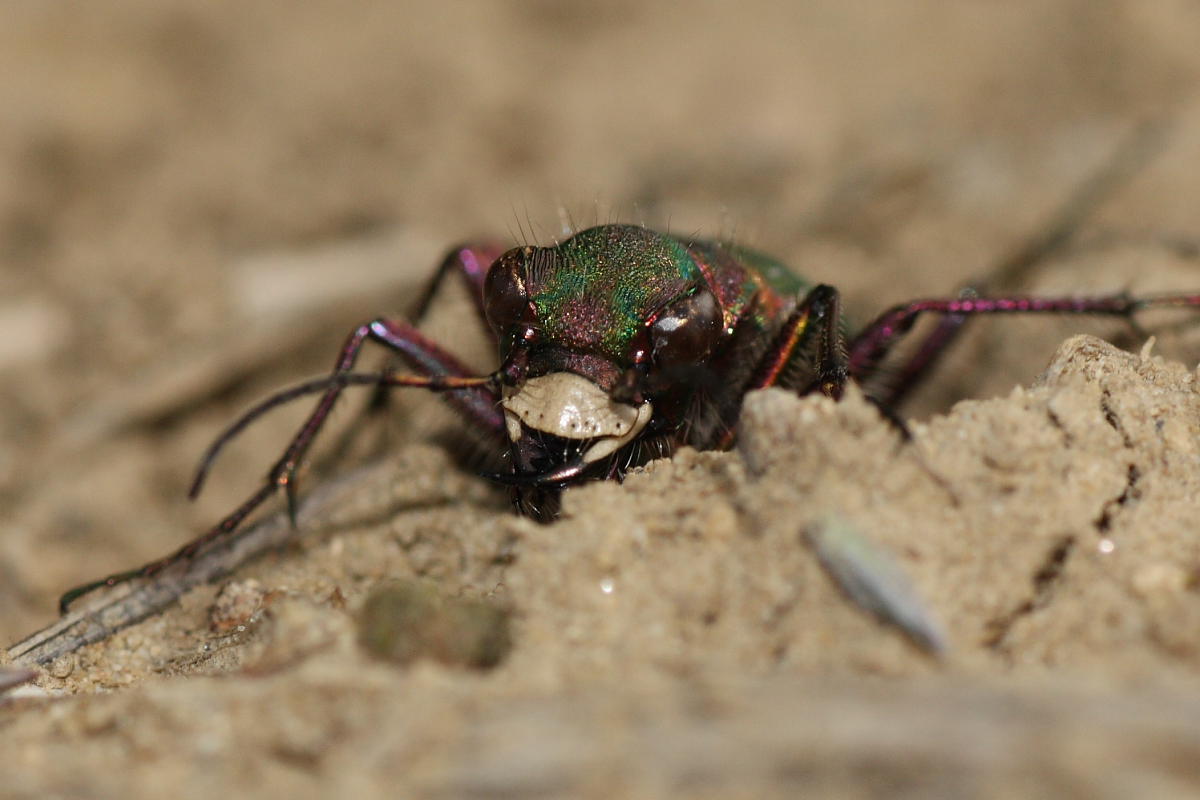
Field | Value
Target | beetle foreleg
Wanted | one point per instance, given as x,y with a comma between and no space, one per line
817,315
471,263
478,400
475,396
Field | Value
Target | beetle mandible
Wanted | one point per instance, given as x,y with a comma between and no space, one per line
620,344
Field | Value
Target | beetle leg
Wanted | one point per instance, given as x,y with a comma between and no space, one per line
475,397
892,390
877,339
819,315
470,262
477,402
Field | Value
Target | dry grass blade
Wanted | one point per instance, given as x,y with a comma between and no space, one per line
873,581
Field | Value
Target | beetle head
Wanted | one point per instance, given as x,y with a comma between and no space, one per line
585,328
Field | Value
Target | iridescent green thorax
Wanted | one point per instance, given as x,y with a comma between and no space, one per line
595,292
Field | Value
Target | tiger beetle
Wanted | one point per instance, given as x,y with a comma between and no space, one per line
619,345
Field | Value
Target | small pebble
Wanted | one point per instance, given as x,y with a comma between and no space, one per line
406,620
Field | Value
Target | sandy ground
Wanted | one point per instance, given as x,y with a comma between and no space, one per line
198,200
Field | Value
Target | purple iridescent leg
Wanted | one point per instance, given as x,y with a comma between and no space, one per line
474,396
892,389
871,346
470,262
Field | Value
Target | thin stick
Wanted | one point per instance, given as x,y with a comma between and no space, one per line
106,611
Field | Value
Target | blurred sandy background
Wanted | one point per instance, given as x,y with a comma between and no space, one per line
197,199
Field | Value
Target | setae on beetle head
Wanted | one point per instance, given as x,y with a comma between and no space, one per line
588,329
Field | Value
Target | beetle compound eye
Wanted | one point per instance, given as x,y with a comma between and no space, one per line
688,330
505,296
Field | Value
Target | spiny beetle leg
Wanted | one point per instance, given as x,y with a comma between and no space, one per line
227,525
440,371
818,314
888,392
876,340
478,401
470,262
280,398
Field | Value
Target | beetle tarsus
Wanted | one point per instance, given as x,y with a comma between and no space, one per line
288,481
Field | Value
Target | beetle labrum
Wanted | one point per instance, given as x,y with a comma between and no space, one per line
621,344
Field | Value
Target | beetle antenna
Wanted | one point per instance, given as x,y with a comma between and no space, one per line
313,386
